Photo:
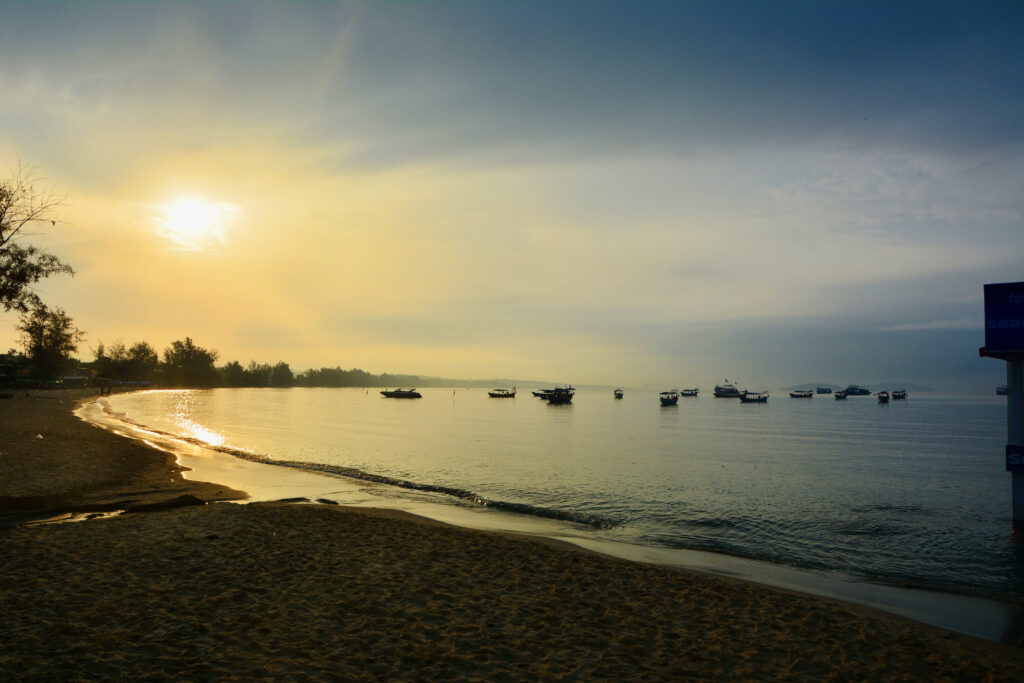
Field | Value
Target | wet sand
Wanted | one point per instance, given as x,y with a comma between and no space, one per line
316,591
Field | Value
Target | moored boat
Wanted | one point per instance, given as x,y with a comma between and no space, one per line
542,393
401,393
669,398
840,395
561,395
1001,390
883,396
857,390
727,389
899,395
618,393
801,394
502,393
754,397
689,392
823,390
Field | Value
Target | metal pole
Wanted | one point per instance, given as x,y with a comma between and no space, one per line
1015,430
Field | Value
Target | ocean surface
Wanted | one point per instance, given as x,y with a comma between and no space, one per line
912,493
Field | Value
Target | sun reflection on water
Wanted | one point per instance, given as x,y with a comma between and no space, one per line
182,418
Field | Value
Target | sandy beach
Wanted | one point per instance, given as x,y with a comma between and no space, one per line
304,591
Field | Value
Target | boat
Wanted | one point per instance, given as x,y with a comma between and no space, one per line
840,395
561,395
689,392
1001,390
899,395
857,390
542,393
801,394
754,397
823,390
401,393
502,393
618,393
883,396
727,390
669,398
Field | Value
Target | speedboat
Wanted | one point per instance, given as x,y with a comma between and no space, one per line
899,395
754,397
669,398
727,390
689,392
502,393
618,393
401,393
883,396
801,394
857,390
840,395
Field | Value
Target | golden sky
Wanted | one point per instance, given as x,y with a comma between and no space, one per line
613,195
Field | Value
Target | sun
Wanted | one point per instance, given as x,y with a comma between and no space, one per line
193,223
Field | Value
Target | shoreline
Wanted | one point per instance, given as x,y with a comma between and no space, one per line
989,617
270,589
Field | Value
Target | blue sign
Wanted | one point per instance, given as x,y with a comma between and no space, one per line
1014,458
1004,317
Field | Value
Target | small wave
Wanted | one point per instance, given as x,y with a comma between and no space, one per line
583,518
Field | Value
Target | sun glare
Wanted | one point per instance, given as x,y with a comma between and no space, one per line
193,223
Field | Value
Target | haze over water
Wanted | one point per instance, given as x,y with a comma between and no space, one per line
910,493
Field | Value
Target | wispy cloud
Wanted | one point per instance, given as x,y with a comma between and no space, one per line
967,323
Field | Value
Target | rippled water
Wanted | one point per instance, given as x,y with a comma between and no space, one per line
911,492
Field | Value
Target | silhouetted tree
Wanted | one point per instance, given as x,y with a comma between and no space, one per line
23,266
189,365
232,375
141,362
281,375
49,338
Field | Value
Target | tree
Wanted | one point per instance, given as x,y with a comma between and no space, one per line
141,362
281,375
49,338
23,266
190,365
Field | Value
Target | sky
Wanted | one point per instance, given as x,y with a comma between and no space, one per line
628,193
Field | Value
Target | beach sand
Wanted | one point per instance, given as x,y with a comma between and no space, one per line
274,590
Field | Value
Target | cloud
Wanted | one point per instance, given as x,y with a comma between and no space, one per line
970,323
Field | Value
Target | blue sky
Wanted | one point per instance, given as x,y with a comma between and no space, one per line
596,192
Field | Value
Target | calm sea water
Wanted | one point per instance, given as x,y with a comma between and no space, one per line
910,493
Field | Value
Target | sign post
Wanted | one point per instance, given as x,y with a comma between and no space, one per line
1004,339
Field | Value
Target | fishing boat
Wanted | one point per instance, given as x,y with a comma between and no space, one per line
857,390
823,390
754,397
502,393
669,398
840,395
1001,390
618,393
801,394
883,396
899,395
543,393
727,390
689,392
401,393
561,395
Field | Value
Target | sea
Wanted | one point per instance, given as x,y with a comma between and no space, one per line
909,494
